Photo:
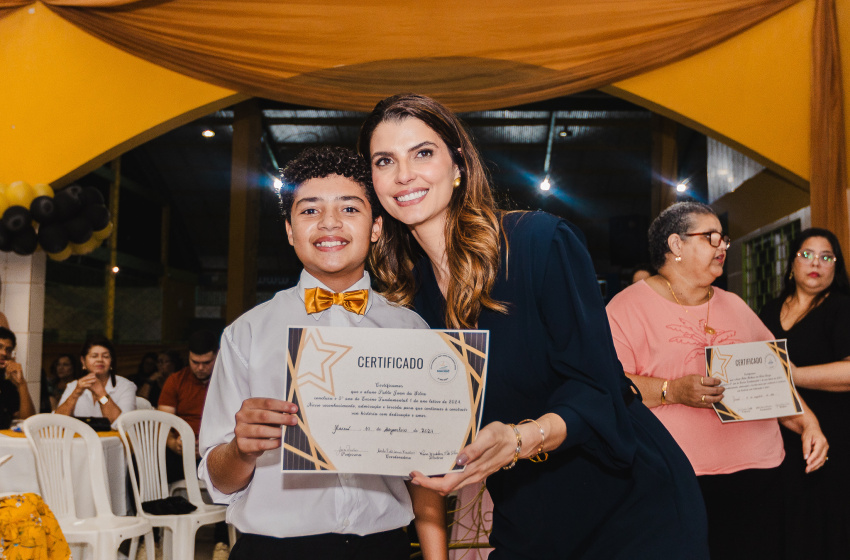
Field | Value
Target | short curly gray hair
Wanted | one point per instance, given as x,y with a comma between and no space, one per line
674,219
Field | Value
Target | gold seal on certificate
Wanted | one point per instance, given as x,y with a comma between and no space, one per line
757,380
382,401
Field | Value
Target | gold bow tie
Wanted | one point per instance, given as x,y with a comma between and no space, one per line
318,299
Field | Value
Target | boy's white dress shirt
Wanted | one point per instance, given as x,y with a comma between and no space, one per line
251,363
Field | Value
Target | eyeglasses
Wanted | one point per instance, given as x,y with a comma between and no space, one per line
714,238
826,259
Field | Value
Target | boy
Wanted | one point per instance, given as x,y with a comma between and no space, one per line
327,206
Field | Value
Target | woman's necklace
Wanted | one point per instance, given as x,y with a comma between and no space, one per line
706,328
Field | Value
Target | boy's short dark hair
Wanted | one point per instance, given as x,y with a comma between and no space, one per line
6,334
318,163
203,342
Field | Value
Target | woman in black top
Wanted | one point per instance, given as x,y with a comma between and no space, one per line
614,483
813,313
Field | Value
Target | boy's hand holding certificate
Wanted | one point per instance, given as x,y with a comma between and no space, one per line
382,401
757,380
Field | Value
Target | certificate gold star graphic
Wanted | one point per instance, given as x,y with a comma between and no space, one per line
721,360
316,368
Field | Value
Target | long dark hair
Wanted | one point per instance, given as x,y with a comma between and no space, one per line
472,223
75,369
840,282
100,340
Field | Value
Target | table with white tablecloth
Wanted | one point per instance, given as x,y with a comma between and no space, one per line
19,474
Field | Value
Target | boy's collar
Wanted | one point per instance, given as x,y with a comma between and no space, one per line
308,281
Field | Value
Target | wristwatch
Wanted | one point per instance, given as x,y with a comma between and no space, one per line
103,400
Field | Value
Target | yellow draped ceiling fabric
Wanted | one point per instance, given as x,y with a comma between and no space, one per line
472,55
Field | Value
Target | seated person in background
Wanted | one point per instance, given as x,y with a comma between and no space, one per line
167,362
328,206
146,368
15,400
63,370
184,394
99,393
642,272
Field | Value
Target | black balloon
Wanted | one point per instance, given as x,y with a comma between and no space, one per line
98,216
92,197
52,238
16,218
67,205
79,229
25,241
43,209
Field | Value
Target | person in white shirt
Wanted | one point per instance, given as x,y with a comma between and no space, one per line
329,220
99,393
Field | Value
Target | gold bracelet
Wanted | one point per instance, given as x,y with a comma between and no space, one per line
518,448
664,392
537,458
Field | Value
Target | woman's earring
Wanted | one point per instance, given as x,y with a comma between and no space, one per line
457,182
678,259
791,275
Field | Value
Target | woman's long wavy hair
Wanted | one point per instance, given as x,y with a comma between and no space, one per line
840,282
472,225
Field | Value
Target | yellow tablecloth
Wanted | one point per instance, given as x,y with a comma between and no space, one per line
15,433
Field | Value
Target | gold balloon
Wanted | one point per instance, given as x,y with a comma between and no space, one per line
89,246
42,189
20,193
4,203
61,255
104,233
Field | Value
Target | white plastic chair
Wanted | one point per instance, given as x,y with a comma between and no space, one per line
144,433
51,437
143,404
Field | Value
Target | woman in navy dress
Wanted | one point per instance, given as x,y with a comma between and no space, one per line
615,484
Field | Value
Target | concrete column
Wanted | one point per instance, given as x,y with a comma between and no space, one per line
22,301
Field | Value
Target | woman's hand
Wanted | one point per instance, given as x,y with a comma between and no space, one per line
84,383
494,448
697,391
815,447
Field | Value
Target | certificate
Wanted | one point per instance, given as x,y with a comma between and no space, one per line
757,380
382,401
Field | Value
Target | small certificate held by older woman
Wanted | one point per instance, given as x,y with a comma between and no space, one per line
757,380
382,401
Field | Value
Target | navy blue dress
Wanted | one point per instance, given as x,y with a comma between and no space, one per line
619,486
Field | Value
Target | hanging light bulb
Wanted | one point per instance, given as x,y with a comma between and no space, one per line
545,185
